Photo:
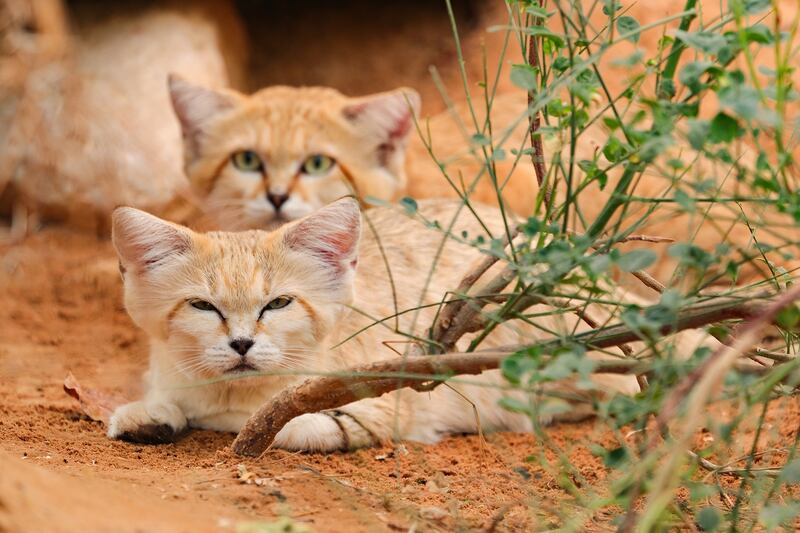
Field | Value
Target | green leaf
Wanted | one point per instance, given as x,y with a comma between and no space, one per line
773,515
752,7
546,35
724,129
611,6
538,11
691,72
685,201
741,99
524,76
514,405
758,33
409,204
691,255
708,518
615,458
789,317
614,150
480,139
636,260
698,133
704,41
629,25
561,63
791,472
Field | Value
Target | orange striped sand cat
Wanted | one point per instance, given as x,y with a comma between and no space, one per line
234,318
277,155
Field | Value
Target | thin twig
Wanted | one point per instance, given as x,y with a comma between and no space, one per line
537,154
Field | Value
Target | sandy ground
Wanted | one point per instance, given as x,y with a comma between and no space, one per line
62,313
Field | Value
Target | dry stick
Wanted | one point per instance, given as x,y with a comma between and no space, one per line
329,392
537,155
649,281
450,320
468,318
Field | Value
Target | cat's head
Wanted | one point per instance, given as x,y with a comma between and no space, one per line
261,160
222,303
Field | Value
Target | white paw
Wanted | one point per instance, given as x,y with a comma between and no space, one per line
148,423
313,432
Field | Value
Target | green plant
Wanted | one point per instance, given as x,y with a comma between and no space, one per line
704,117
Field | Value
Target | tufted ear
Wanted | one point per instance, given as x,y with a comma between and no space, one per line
195,106
388,117
145,242
330,234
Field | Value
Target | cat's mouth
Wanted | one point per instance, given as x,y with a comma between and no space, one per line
242,366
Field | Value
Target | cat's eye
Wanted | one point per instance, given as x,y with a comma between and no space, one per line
203,305
317,165
278,303
247,161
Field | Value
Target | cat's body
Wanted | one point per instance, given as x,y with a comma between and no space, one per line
168,269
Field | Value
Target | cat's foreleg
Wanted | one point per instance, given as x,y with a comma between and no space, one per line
147,422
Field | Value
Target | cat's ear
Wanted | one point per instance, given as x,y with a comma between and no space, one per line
195,105
330,234
144,242
388,116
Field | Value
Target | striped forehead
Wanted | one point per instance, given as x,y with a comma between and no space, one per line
285,131
235,269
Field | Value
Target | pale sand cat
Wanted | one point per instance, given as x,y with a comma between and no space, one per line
96,130
218,304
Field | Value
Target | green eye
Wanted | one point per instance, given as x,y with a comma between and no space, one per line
278,303
247,161
317,165
203,306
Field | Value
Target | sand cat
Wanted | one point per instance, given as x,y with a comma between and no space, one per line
219,306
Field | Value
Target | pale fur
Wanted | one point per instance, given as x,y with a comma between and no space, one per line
313,261
95,130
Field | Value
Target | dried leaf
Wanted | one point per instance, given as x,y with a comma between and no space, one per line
95,403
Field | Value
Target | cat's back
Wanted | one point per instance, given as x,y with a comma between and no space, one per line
407,260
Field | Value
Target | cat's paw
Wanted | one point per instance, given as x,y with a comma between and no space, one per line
323,432
312,432
147,423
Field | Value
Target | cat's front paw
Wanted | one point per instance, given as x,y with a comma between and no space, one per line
147,423
328,431
313,432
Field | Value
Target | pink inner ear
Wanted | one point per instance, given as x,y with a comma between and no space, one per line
330,234
333,247
401,127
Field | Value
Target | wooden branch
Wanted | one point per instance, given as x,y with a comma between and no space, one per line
375,379
458,316
537,152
